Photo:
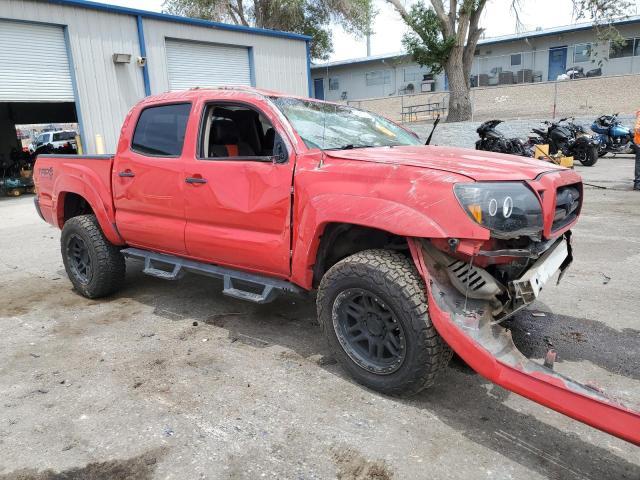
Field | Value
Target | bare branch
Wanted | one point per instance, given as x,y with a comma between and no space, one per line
472,41
516,6
448,28
397,4
238,9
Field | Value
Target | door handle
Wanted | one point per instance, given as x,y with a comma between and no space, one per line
126,173
195,180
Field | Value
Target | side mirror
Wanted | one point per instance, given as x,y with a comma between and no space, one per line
280,154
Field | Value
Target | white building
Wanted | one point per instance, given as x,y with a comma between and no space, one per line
86,62
537,56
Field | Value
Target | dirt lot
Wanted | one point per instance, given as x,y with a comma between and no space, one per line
174,380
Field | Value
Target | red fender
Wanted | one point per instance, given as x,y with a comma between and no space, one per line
81,180
489,350
376,213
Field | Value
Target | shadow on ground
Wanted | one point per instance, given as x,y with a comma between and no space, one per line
460,399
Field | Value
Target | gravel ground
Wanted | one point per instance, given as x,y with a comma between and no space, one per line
176,381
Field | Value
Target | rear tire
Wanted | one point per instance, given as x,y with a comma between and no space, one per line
589,157
95,266
377,296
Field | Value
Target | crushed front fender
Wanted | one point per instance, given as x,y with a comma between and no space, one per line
470,330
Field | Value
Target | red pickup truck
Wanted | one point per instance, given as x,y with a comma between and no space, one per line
414,250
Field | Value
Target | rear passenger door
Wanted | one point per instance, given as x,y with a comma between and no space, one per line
238,189
148,179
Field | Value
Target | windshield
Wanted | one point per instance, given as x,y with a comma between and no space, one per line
330,127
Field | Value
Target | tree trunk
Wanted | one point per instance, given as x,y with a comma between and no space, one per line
459,98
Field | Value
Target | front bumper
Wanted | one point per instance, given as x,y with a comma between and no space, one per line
468,327
528,286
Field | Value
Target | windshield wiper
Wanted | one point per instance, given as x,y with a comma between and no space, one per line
350,146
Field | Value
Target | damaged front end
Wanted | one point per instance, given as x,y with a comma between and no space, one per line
508,278
471,290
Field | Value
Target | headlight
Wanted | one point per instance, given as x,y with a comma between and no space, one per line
508,209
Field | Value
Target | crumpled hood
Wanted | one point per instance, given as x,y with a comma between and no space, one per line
475,164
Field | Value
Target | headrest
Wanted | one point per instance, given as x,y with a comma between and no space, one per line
225,132
269,137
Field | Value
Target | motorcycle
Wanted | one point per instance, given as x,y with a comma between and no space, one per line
570,139
492,140
614,137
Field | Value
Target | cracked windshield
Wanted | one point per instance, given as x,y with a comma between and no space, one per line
339,127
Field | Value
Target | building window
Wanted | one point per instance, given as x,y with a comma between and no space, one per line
582,52
412,74
334,83
516,59
379,77
621,50
636,52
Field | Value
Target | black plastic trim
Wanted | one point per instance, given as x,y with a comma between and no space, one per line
36,202
79,157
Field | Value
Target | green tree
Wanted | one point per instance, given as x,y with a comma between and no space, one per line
444,38
308,17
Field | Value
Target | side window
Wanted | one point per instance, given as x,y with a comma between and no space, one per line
239,132
160,130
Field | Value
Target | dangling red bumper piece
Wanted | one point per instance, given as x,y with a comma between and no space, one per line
469,328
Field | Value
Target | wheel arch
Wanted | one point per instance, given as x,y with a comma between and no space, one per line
324,218
75,196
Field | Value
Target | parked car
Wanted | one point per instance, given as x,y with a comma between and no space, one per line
54,141
414,250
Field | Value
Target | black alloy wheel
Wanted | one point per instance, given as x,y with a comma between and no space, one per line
79,259
368,331
95,267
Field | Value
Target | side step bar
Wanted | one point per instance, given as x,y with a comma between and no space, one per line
487,347
175,267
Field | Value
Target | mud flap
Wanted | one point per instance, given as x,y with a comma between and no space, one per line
469,328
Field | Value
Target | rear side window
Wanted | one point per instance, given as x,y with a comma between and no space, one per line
160,130
57,137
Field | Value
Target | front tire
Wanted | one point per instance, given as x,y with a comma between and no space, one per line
589,156
372,308
95,266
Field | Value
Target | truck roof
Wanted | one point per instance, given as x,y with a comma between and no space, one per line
200,91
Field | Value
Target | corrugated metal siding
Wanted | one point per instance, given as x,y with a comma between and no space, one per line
106,91
33,63
192,64
279,63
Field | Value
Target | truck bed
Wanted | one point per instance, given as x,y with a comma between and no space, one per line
88,175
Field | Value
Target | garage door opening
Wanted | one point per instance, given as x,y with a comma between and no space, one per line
28,129
36,94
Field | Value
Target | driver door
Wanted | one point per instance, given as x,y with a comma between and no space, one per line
237,195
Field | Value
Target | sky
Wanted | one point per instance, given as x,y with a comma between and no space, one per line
389,28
